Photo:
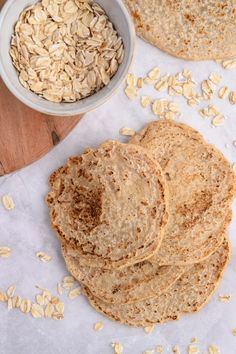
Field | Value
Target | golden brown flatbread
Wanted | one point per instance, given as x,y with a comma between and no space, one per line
137,282
189,294
202,186
109,205
196,30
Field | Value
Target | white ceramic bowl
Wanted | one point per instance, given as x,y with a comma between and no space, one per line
118,15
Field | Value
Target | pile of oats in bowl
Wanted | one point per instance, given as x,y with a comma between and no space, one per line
65,50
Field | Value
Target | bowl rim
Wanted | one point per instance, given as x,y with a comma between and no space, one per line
82,109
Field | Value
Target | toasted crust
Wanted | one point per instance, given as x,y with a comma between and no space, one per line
188,294
193,30
202,186
110,205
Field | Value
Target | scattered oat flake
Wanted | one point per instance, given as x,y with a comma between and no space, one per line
140,82
131,92
74,293
118,347
154,73
148,81
229,64
148,352
209,111
232,97
11,291
210,86
172,80
169,115
176,90
25,305
174,107
193,349
213,349
234,332
192,102
59,289
45,258
60,307
205,87
188,90
18,301
40,299
145,101
206,96
7,202
37,311
158,107
131,80
68,279
199,97
187,73
67,286
5,252
3,296
179,76
46,295
159,349
49,309
9,304
162,84
225,298
149,329
208,89
99,326
54,300
204,112
176,349
218,121
57,316
223,92
192,81
127,131
215,78
213,110
14,299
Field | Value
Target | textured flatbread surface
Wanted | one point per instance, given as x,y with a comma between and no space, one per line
202,186
109,205
188,29
127,285
192,291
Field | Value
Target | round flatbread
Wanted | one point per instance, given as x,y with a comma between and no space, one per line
110,205
195,30
202,186
189,294
127,285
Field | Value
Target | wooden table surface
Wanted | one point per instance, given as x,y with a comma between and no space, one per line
27,135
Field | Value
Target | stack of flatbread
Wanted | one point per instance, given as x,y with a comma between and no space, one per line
143,226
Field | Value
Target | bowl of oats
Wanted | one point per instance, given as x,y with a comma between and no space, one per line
65,57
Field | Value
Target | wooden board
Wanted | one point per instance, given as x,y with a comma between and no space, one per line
27,135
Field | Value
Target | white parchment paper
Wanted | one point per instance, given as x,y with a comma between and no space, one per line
26,230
